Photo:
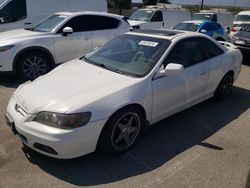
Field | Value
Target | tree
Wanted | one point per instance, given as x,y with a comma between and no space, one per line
119,4
154,2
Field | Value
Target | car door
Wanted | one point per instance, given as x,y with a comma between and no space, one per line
157,20
213,56
174,93
15,14
76,44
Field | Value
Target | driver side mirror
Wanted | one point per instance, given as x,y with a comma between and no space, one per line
170,69
67,31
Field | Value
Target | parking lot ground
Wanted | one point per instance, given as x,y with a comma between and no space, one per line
207,145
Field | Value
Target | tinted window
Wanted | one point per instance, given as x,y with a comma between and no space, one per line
14,11
91,23
209,49
187,53
157,17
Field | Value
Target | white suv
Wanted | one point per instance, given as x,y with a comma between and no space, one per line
60,38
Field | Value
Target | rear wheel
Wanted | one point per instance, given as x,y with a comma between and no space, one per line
32,65
224,88
122,131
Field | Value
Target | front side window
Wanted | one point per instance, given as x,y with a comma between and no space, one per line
51,23
91,23
157,17
142,15
14,11
130,54
187,26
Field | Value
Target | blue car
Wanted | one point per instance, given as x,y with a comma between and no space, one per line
210,28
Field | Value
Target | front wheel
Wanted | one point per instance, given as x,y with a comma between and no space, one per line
224,88
122,131
30,66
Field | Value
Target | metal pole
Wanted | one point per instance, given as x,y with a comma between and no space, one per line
202,3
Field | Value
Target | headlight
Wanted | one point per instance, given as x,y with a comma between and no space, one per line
5,48
63,121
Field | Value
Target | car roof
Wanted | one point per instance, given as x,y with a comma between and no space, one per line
89,13
198,21
163,33
244,12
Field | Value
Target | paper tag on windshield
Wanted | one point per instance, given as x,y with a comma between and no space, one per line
148,43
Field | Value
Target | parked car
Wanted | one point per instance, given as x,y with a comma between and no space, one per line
240,27
158,17
60,38
209,28
107,97
242,17
18,14
242,41
221,16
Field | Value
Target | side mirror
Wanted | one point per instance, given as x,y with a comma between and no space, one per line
170,69
67,31
204,31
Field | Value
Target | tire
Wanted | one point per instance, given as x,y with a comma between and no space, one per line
224,88
122,131
32,65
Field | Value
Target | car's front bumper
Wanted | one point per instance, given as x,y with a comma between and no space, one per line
6,61
50,141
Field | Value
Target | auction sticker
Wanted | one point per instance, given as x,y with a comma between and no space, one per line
148,43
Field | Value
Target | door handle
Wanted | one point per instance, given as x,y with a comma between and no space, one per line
28,23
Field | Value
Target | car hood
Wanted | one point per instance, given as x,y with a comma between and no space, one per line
60,90
13,35
135,22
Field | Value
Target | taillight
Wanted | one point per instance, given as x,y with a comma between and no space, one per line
233,29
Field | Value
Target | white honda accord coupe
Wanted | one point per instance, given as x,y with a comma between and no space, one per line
60,38
106,98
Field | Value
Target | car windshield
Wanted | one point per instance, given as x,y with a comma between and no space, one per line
129,54
142,15
202,17
51,23
187,26
243,18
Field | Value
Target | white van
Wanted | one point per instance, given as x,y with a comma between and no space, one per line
221,16
160,16
242,18
16,14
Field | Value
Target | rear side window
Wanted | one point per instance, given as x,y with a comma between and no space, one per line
209,49
91,23
192,51
14,11
157,17
102,22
